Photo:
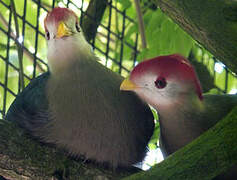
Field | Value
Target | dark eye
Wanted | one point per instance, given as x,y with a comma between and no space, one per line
47,35
160,83
78,28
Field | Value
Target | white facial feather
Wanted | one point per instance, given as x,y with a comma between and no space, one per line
64,51
163,97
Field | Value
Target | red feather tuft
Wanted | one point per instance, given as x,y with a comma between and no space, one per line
58,14
170,67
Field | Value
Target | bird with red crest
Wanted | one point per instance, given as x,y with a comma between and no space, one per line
170,85
78,106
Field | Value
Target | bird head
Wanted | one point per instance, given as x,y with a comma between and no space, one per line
64,38
163,80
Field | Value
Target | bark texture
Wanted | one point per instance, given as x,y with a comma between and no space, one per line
213,23
211,154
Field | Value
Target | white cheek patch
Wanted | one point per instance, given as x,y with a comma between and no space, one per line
155,96
147,79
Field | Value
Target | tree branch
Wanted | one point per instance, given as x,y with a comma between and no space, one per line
211,154
213,23
92,18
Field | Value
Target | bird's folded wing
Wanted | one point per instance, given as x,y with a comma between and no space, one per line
29,109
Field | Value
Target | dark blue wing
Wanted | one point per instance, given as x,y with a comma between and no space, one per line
30,108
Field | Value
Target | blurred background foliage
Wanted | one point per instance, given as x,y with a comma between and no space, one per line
117,43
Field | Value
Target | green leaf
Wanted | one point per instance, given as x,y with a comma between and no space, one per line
7,2
164,37
125,4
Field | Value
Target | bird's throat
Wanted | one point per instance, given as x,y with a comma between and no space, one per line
64,52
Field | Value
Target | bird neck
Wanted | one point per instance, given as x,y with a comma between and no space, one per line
178,122
63,53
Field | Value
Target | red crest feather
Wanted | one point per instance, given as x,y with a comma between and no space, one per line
173,67
59,14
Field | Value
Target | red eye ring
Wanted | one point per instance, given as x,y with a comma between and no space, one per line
160,83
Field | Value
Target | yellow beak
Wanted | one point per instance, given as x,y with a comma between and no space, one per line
63,30
128,85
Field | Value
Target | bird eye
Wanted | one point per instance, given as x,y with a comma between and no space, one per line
77,27
47,35
160,83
